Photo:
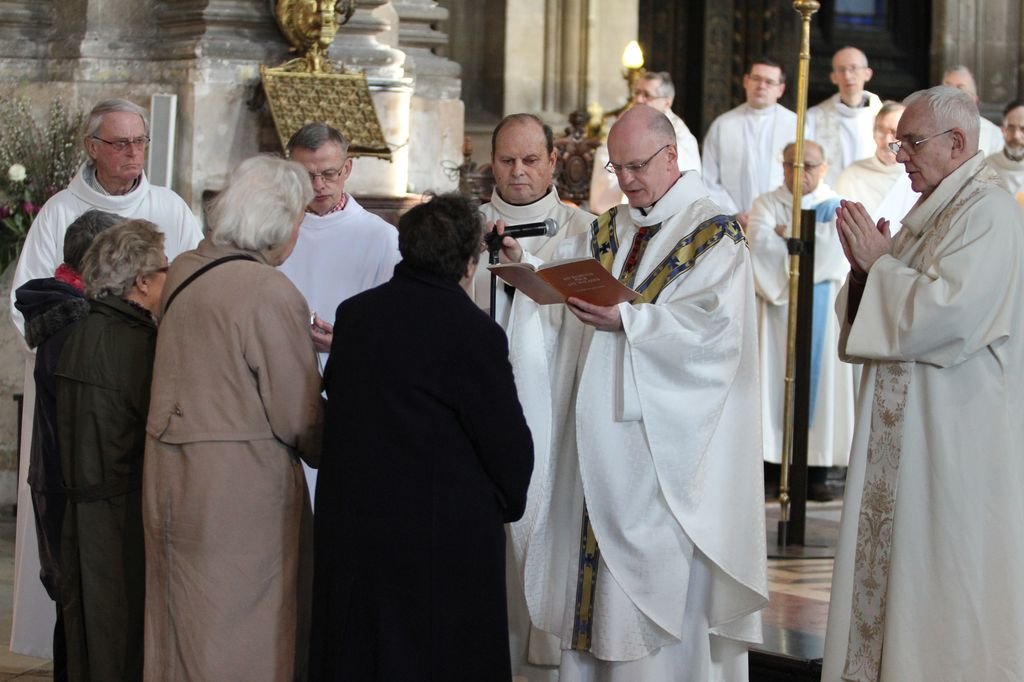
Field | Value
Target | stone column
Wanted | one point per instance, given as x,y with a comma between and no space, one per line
437,113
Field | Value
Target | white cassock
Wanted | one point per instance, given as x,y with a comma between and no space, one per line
828,440
571,221
1011,172
604,186
336,256
940,331
743,154
657,428
884,190
845,133
990,137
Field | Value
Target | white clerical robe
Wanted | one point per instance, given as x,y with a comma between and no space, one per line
990,137
828,440
657,427
604,186
1011,172
954,603
884,190
743,154
846,133
571,221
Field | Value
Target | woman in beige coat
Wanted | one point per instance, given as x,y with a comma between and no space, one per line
235,403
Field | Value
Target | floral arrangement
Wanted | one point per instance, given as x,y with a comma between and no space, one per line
38,158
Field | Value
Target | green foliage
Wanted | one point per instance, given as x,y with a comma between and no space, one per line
38,158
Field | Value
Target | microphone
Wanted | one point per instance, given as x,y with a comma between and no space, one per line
547,228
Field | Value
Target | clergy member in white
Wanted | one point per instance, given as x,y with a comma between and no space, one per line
642,547
927,582
1009,162
342,248
743,146
523,160
843,123
112,179
655,89
878,182
990,137
831,415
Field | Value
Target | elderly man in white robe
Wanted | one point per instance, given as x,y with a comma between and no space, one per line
642,547
927,574
878,182
843,123
990,138
1009,163
523,159
831,404
655,89
743,145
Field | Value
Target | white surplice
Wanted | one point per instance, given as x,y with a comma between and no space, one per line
743,154
884,190
828,440
1011,172
954,604
571,221
990,137
604,186
845,133
657,428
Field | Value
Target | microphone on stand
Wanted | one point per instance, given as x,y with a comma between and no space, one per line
548,227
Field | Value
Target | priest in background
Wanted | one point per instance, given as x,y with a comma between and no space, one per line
878,181
990,139
743,145
831,404
843,123
1009,162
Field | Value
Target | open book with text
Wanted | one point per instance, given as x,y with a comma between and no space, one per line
556,281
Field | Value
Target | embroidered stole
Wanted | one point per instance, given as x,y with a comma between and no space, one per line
885,446
604,246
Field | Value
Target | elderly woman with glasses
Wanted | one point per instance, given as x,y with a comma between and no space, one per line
235,404
103,380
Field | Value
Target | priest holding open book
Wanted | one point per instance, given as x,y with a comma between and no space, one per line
642,546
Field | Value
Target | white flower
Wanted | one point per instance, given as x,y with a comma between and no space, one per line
16,173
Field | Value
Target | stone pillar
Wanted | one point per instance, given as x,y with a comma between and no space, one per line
437,113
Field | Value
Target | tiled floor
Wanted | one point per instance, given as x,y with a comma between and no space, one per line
13,666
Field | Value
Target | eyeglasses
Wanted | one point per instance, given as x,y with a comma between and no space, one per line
121,144
770,82
808,167
843,70
643,96
896,146
633,168
329,176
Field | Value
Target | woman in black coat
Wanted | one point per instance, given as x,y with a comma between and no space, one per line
426,456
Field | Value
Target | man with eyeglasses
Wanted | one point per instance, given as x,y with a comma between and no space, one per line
927,582
642,546
742,147
990,139
112,179
843,123
1009,162
831,404
655,89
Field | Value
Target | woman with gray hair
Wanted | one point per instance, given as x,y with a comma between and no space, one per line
103,380
235,403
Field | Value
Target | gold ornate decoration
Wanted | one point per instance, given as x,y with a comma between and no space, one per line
313,87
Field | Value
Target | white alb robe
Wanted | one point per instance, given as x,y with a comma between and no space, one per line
1011,172
657,427
954,607
571,221
828,440
604,186
845,133
884,190
990,137
743,152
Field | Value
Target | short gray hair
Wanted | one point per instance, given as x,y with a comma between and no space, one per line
258,210
889,106
963,71
666,89
951,107
109,106
119,254
312,136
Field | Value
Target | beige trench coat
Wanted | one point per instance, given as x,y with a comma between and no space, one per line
235,401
